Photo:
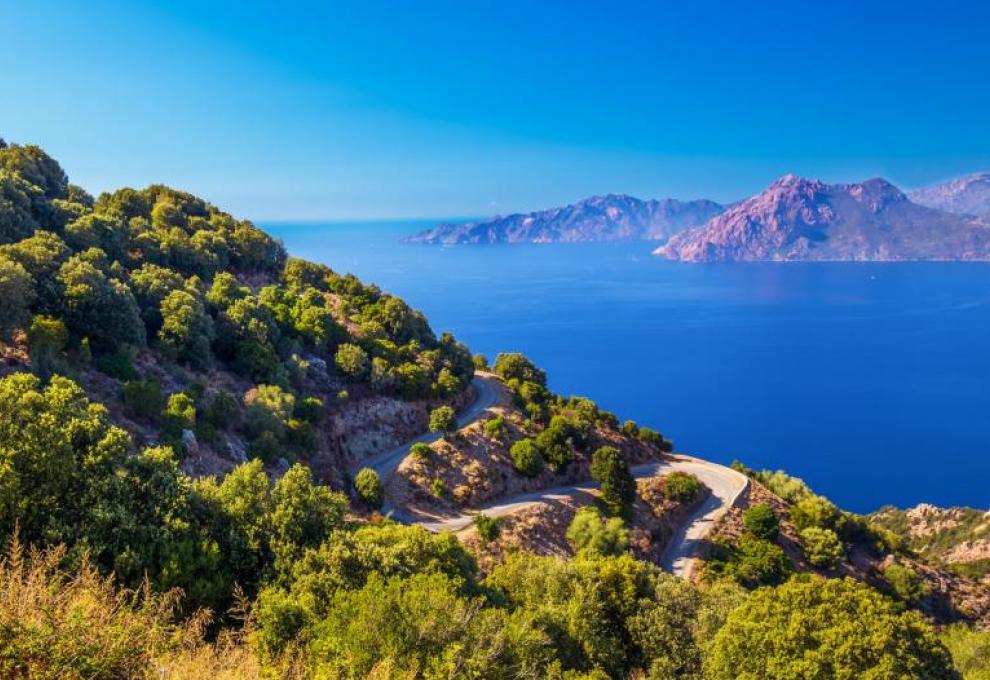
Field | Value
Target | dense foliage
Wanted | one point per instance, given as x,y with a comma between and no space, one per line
194,326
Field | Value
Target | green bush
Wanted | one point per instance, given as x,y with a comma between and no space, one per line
821,546
681,487
487,526
816,511
443,420
515,366
144,399
904,582
119,365
421,452
480,362
495,428
762,521
590,533
526,458
369,488
753,562
352,362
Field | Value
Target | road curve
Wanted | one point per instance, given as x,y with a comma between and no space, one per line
485,396
726,486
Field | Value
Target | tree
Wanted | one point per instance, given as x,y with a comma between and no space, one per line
515,366
352,362
443,420
590,533
187,330
825,628
609,467
100,308
369,488
16,295
180,414
821,546
762,522
527,459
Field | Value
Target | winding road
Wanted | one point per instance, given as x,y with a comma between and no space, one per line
726,485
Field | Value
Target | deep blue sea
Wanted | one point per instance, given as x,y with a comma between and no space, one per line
870,381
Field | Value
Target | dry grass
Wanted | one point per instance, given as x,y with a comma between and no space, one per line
78,624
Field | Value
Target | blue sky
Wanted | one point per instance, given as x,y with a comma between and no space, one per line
307,110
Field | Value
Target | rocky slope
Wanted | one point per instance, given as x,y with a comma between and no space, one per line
614,217
967,195
803,219
956,537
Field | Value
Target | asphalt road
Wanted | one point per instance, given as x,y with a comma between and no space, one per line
726,487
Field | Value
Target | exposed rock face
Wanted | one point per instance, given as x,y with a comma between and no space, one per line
802,219
599,218
967,195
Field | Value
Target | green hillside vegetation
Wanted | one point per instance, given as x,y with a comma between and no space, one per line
127,322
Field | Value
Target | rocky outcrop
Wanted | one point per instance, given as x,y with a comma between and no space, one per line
614,217
803,219
967,195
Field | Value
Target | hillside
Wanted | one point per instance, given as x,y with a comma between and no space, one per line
957,538
803,219
599,218
966,195
190,427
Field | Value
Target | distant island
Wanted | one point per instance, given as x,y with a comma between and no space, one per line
794,219
613,217
803,219
967,195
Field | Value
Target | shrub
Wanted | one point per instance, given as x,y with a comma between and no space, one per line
495,428
47,339
650,436
369,488
816,511
904,582
762,521
681,487
309,409
180,414
753,562
143,398
821,546
443,420
527,459
265,447
487,526
119,364
421,451
438,488
630,428
480,362
590,533
352,362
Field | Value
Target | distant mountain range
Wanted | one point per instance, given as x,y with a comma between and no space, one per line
803,219
795,218
613,217
967,195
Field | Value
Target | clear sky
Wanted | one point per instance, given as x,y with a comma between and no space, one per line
387,109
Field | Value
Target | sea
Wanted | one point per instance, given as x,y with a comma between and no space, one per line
871,381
